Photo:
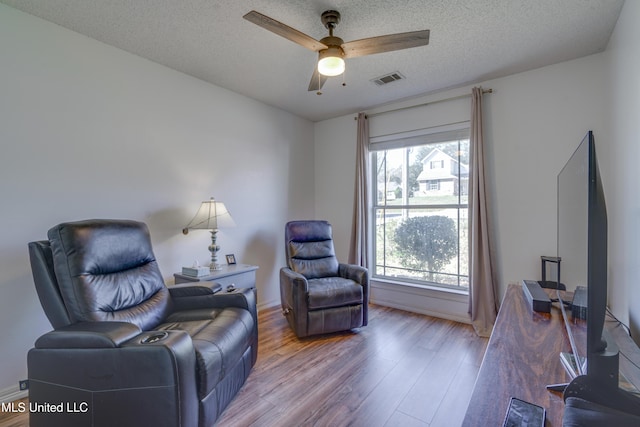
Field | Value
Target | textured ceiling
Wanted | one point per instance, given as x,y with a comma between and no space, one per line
470,41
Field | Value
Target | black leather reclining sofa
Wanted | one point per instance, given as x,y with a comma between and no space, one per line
126,350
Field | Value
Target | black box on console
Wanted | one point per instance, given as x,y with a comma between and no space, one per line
537,298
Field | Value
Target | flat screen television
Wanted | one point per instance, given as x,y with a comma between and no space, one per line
582,249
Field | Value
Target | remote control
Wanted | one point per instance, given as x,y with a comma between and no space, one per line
524,414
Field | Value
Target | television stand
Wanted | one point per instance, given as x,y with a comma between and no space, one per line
522,358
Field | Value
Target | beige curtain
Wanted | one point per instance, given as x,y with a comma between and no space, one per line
359,225
483,301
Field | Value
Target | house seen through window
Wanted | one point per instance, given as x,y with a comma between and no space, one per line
420,210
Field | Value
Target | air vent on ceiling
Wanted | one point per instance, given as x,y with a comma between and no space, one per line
388,78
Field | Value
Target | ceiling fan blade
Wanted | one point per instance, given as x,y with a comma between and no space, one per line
284,30
317,80
386,43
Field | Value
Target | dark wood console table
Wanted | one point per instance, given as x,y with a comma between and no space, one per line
522,358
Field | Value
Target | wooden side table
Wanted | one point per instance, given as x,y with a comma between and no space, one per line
238,275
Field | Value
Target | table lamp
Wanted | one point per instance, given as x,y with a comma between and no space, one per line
211,216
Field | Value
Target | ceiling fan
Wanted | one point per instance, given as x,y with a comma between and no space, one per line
333,50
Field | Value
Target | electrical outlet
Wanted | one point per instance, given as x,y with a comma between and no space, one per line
24,385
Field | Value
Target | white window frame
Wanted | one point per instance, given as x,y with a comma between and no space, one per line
456,131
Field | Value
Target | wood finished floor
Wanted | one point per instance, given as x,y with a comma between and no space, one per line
403,369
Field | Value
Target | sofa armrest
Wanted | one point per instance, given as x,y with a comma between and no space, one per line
89,335
133,378
194,289
244,298
239,297
198,298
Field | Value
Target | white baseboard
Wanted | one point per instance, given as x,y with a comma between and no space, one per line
268,304
416,299
12,393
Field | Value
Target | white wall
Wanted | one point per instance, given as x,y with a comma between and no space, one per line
619,165
87,131
533,122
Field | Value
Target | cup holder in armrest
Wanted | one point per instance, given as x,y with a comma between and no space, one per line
154,337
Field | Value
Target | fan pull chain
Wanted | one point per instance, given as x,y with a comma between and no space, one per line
319,92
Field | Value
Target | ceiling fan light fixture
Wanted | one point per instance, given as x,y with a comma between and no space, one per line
331,49
330,62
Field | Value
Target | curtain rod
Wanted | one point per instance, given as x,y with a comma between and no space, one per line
424,103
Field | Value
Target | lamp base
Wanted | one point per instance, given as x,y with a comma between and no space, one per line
214,248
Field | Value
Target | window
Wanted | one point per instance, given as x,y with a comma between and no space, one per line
437,164
421,208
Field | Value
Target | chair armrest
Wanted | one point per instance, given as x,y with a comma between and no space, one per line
359,275
354,272
293,279
194,289
89,335
294,289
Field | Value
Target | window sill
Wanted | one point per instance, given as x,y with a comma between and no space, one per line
434,288
446,303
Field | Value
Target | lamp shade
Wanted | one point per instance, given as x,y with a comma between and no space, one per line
212,215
